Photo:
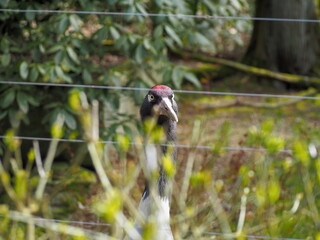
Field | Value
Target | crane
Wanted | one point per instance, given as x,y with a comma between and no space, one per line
159,103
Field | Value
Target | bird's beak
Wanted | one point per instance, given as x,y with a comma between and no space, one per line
165,108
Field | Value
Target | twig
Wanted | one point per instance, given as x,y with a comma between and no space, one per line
57,227
285,77
97,162
243,103
242,214
48,163
38,159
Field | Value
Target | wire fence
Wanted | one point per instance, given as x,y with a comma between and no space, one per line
203,147
138,14
44,11
69,85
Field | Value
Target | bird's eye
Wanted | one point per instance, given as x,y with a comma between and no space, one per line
150,97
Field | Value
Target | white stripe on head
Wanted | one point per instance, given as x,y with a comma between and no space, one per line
172,114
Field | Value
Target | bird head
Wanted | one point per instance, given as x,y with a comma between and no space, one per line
159,102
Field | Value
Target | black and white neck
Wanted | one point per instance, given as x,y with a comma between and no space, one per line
159,103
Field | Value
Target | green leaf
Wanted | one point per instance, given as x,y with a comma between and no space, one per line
61,74
63,24
59,57
3,114
72,54
193,79
13,117
141,8
139,53
203,41
158,32
55,48
177,75
24,71
5,59
5,44
74,22
274,190
114,33
300,153
173,35
4,3
101,33
147,44
20,184
86,76
30,15
70,120
8,98
22,102
42,48
236,4
33,101
41,69
267,125
34,74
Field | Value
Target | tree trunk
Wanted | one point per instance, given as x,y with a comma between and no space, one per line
290,47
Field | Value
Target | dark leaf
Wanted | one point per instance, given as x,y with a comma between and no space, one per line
4,3
59,57
3,114
5,59
33,101
8,98
63,24
34,74
86,76
13,117
22,102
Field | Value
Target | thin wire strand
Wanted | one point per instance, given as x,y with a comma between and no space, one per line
44,11
251,236
204,147
147,89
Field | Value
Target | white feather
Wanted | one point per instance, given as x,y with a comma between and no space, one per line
151,157
159,208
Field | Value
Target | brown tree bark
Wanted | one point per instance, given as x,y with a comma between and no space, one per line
290,47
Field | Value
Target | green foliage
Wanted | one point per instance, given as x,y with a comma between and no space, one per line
109,207
266,193
265,138
284,185
98,49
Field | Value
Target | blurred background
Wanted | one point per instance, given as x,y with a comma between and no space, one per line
246,75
